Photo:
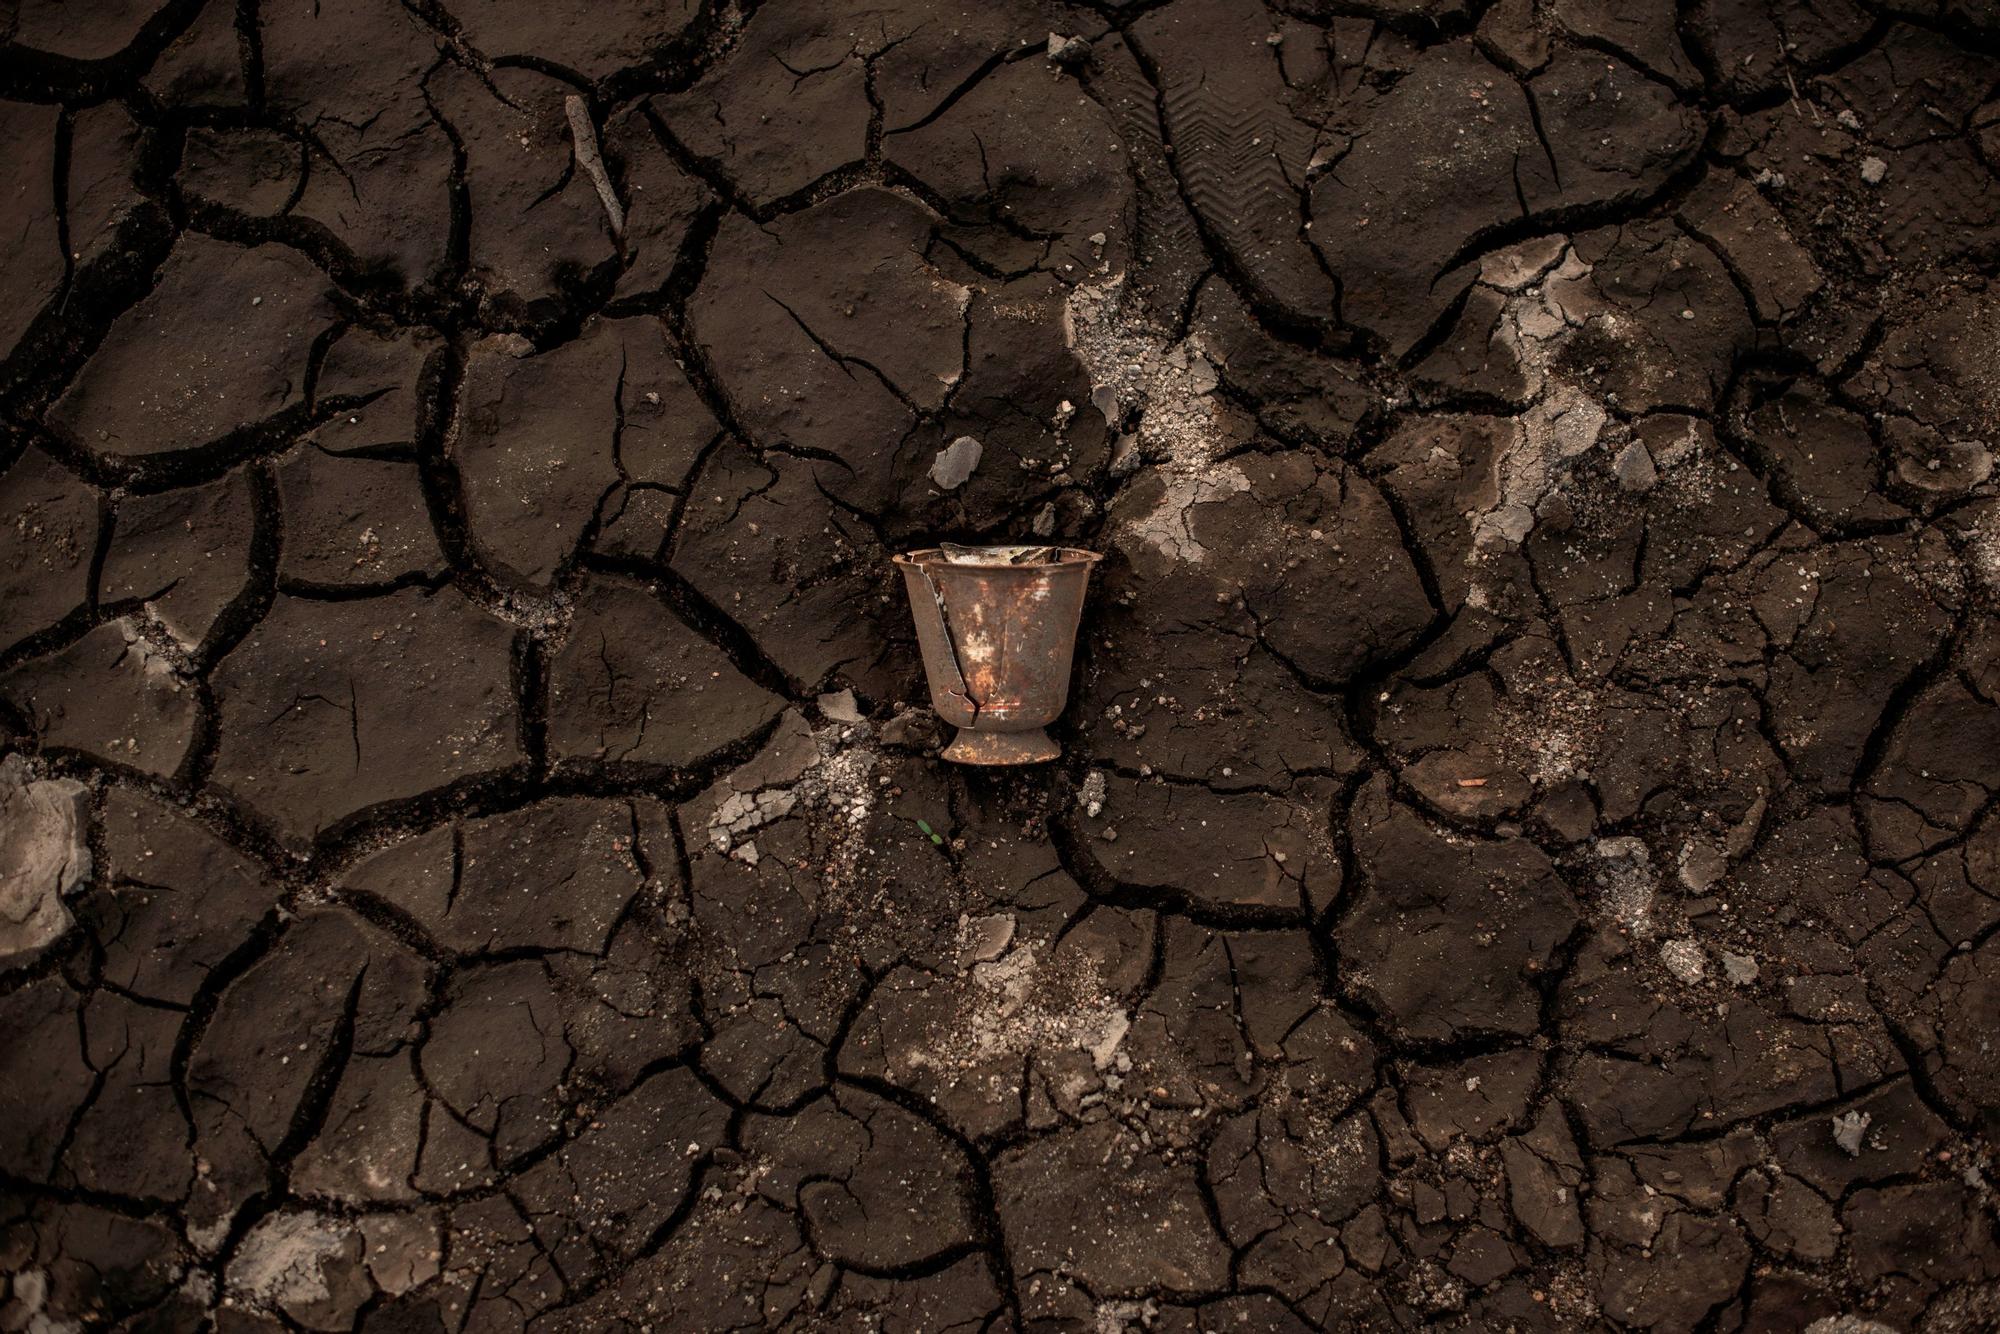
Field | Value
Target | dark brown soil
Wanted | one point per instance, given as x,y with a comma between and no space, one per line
473,852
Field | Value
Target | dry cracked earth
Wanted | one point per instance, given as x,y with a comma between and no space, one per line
475,857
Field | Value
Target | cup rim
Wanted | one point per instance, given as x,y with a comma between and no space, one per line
933,558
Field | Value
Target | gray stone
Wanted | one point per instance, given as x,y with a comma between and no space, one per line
955,462
1702,867
1635,469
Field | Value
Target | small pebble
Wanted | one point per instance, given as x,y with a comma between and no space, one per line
1635,469
1848,1128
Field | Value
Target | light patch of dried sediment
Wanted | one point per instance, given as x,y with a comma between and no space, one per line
1025,998
1116,1317
43,856
1981,545
1182,430
1552,730
827,774
1627,882
305,1264
1547,298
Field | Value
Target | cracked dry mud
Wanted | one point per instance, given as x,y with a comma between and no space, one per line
1527,849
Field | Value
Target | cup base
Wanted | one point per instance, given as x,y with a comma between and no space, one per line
994,748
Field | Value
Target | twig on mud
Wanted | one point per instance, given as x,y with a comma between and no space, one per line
1784,59
585,134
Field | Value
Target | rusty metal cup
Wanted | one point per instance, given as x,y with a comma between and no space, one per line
997,639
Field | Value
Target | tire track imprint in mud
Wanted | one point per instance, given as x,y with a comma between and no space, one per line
472,852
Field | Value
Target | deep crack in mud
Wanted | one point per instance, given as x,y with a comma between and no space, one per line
1526,853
